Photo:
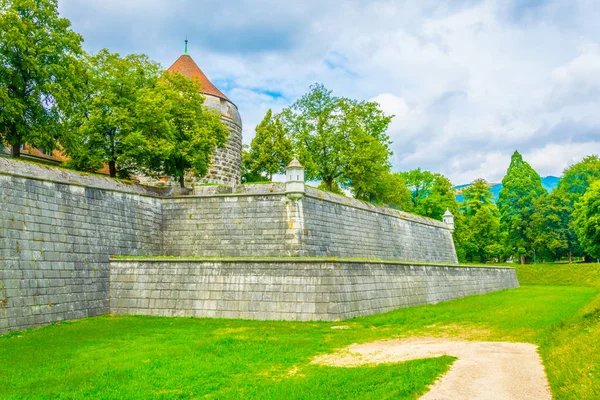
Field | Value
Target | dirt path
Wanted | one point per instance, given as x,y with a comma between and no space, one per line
484,370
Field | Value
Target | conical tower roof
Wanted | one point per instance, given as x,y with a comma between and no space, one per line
185,65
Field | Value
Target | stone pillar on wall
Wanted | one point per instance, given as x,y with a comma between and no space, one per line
294,180
294,191
449,220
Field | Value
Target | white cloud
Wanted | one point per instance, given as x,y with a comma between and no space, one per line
469,81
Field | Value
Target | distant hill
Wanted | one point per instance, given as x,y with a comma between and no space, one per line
548,182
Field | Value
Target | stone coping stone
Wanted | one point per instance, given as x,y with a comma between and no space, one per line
243,189
332,260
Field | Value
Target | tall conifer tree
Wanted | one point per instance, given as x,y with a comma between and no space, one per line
521,187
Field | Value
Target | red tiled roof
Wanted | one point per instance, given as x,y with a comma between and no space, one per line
186,66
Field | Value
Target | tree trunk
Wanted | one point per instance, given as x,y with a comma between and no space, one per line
112,168
328,183
16,148
522,259
570,257
182,181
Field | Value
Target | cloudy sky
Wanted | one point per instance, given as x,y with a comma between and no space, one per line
468,81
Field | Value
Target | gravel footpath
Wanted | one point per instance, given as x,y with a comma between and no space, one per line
484,370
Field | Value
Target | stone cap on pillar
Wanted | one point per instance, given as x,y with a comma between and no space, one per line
449,219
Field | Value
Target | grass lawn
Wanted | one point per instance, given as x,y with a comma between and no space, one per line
155,357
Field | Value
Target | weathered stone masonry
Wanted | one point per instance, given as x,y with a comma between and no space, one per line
292,290
59,228
262,221
56,239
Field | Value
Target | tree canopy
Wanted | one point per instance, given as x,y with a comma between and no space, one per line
175,132
338,139
477,196
389,189
578,177
108,114
40,73
270,149
431,193
521,187
552,236
587,220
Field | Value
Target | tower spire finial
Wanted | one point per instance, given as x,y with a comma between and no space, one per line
185,53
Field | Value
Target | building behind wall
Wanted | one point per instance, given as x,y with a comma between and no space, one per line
226,166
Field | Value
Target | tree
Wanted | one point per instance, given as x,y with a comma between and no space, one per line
477,196
271,149
521,187
108,114
419,183
481,238
39,72
550,223
432,194
578,177
483,232
575,181
331,135
175,132
248,173
390,189
587,220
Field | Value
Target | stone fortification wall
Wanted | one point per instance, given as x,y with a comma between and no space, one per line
56,237
259,220
345,227
229,225
288,289
58,229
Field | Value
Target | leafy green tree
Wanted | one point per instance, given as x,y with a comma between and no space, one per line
271,149
331,135
334,188
587,220
108,115
572,186
40,72
481,236
550,222
249,175
578,177
495,250
176,133
432,194
440,199
477,196
521,187
483,233
419,183
390,189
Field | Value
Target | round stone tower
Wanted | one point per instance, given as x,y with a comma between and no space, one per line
226,166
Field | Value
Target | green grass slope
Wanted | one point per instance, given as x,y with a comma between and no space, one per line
155,357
